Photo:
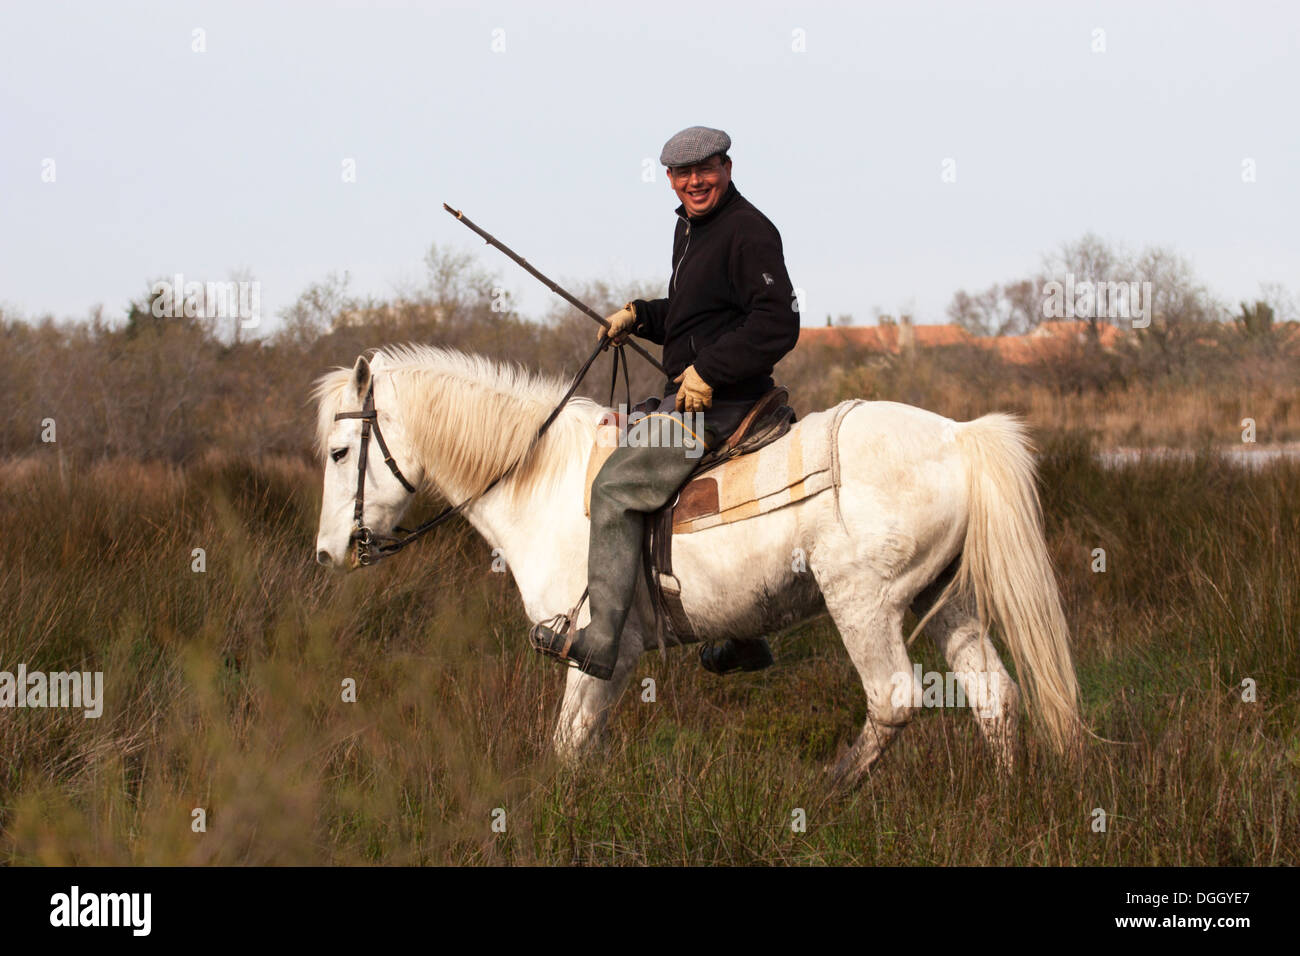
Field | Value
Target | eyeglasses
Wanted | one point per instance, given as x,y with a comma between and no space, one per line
681,174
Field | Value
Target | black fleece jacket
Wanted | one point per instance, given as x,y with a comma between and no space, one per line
730,309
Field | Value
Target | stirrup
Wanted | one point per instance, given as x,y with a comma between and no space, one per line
555,636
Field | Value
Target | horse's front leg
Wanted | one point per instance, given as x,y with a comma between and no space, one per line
584,712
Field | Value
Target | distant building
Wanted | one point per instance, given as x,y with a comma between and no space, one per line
1048,340
887,337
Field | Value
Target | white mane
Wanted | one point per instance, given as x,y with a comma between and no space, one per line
470,418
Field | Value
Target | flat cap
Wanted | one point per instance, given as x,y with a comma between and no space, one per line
693,145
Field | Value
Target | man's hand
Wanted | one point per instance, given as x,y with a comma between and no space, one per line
620,324
695,394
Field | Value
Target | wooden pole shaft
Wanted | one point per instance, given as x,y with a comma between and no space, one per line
563,294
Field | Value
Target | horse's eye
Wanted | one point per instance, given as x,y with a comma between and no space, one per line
338,454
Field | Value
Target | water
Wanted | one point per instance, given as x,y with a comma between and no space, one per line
1242,456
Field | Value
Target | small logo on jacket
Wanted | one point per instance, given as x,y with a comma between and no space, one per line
768,279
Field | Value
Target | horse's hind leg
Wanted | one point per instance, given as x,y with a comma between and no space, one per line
993,696
872,632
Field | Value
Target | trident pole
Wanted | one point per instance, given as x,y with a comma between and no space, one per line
580,306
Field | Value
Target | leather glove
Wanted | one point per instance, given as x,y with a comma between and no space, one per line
695,394
620,324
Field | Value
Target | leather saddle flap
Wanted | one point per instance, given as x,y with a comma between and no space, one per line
795,466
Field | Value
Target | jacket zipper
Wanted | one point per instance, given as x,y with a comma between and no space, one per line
683,258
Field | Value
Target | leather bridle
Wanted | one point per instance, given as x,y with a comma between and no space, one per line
371,547
361,533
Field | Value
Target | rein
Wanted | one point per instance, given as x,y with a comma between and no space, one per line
371,547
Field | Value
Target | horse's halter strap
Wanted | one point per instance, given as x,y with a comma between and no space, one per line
369,421
372,547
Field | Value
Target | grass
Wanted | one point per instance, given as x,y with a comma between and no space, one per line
224,692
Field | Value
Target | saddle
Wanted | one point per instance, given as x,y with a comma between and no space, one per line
768,420
699,499
719,490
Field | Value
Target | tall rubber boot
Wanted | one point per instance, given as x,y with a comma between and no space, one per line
634,481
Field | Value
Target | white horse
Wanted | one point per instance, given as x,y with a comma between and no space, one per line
919,495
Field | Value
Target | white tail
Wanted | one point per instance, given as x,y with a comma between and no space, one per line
1005,566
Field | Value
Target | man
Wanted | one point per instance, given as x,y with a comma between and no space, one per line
728,318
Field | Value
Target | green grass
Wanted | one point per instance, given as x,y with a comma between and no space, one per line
224,692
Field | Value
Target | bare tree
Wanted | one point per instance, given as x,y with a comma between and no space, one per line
457,283
1280,299
1010,309
1182,308
1091,259
316,310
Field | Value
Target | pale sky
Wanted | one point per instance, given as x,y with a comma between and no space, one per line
841,116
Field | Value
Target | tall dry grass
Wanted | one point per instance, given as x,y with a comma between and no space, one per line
224,687
224,692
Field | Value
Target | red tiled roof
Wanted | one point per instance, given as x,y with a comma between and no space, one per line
1107,333
878,338
884,338
1047,340
939,335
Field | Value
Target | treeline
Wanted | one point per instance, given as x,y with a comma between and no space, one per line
172,389
1182,300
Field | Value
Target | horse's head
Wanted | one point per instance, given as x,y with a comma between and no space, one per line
366,490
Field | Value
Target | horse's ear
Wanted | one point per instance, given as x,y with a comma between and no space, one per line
361,376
